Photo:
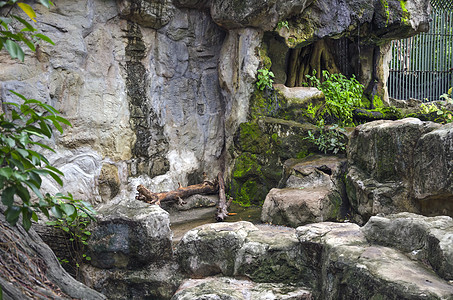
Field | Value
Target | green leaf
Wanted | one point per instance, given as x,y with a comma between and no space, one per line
28,26
23,193
63,120
87,233
26,216
18,95
28,10
68,209
8,195
46,3
65,228
12,214
54,169
44,38
57,125
6,172
24,153
56,211
45,129
14,50
34,217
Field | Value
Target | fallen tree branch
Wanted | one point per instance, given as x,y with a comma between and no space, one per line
207,187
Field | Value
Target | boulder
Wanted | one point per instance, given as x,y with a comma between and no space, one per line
260,148
433,172
313,191
242,249
295,207
211,249
30,270
391,163
157,280
350,268
213,288
129,234
427,239
131,252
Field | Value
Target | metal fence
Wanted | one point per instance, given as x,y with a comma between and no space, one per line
422,66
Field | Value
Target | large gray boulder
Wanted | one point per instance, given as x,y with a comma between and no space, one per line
313,191
242,249
433,171
350,268
129,235
397,166
428,239
214,288
131,252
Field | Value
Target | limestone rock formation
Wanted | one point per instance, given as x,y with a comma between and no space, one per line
213,288
157,89
427,239
397,166
350,268
312,191
329,260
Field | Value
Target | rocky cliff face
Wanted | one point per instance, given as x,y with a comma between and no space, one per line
156,89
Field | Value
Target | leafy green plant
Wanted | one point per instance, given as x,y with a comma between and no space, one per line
77,230
342,95
264,79
331,139
282,24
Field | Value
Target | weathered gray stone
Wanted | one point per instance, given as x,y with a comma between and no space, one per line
425,238
158,280
312,191
129,235
298,206
215,288
382,157
350,268
433,171
211,249
149,13
265,258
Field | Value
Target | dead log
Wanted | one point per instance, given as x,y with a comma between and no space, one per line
207,187
222,208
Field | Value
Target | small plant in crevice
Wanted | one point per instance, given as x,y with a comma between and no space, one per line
282,24
75,227
264,79
330,139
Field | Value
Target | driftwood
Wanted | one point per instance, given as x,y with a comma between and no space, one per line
222,208
207,187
